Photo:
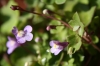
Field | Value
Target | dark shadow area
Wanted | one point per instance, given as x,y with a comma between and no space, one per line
92,3
80,7
3,18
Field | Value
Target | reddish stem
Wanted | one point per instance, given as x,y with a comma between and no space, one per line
13,7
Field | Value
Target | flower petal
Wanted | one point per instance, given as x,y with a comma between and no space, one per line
51,43
11,49
28,28
11,42
57,51
15,31
64,44
8,44
21,40
53,50
29,36
60,47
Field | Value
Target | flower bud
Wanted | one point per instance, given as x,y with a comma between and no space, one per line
37,39
15,7
49,27
48,12
45,11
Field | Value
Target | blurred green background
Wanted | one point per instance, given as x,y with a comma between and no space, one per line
87,16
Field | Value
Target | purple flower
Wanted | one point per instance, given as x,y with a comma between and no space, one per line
23,35
57,47
11,45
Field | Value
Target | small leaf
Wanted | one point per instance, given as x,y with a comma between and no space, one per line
76,24
70,50
86,16
95,39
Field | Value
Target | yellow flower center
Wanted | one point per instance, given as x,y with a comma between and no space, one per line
20,33
55,46
12,43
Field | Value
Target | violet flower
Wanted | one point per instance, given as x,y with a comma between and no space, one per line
57,47
11,45
23,35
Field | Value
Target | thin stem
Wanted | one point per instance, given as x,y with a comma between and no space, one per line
57,25
13,7
5,56
88,61
91,42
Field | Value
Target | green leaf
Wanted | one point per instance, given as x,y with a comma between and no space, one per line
60,32
60,1
76,24
58,28
74,42
76,28
95,39
81,57
86,16
71,62
64,63
12,18
70,51
69,5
